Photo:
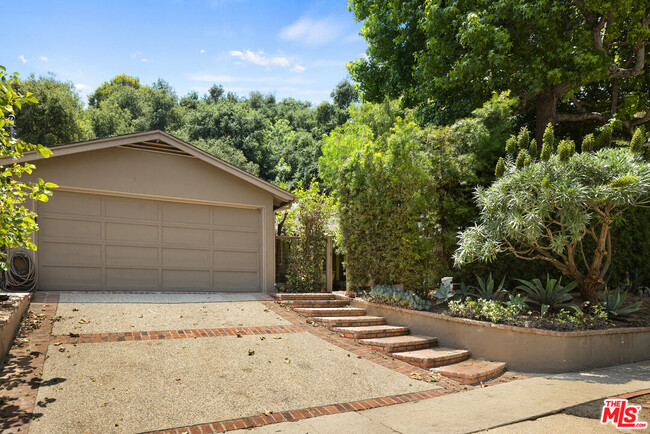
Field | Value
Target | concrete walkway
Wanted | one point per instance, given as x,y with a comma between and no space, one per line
507,407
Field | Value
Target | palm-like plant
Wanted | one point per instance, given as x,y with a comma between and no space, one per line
553,294
486,289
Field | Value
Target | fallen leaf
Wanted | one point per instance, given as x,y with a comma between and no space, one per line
74,309
287,361
74,335
178,379
262,338
84,321
277,337
268,412
238,335
103,404
251,352
62,350
56,344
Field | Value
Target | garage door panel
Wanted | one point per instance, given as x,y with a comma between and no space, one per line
235,217
131,232
71,276
236,280
129,255
132,209
69,229
185,213
131,277
187,236
186,279
73,204
227,260
70,253
236,239
100,242
185,258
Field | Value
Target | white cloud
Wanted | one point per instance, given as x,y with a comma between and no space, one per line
43,58
260,58
313,32
298,68
82,87
144,60
22,58
202,51
214,78
136,54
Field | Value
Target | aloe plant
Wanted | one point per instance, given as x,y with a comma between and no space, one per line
553,294
614,301
486,289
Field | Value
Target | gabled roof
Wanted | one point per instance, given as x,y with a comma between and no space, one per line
159,141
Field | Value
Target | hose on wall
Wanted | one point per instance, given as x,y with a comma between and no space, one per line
21,275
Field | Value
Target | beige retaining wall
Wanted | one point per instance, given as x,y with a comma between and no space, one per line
525,350
10,321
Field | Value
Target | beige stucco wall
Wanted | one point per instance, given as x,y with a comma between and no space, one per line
138,173
523,349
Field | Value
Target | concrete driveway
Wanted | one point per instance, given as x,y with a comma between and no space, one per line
146,362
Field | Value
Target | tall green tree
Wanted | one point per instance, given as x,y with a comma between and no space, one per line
57,118
567,61
17,222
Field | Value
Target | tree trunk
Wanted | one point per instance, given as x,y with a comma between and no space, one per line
545,111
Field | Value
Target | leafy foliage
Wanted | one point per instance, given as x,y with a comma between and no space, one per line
399,297
486,289
614,303
544,210
444,293
553,294
403,190
484,309
17,222
310,221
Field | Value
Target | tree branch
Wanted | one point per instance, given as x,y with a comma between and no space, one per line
579,117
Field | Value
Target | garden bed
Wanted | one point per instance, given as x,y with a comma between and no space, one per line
524,349
12,308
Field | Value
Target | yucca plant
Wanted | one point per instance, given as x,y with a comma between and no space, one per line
553,294
486,289
614,301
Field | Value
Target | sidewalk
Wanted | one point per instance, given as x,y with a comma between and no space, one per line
506,405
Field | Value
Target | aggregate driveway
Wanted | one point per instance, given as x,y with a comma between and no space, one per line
134,386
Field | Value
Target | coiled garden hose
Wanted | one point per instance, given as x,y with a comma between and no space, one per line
21,275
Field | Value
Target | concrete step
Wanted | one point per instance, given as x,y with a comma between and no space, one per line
400,343
305,296
315,303
433,357
375,331
330,311
350,321
472,371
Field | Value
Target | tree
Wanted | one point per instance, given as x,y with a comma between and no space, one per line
17,223
568,61
56,118
344,94
559,209
107,89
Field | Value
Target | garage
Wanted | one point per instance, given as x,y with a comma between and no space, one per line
147,211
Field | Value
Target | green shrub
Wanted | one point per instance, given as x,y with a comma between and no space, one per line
614,301
553,294
486,289
482,309
399,297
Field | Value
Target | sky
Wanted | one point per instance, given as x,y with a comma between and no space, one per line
295,49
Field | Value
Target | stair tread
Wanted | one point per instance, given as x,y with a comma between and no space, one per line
316,302
315,295
430,353
472,371
348,318
329,309
370,328
399,339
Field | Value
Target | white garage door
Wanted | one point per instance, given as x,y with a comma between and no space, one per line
96,242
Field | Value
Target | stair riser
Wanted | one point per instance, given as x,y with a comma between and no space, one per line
335,312
401,347
351,323
315,303
434,363
370,335
286,297
477,379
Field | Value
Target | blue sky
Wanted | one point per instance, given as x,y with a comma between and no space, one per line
289,48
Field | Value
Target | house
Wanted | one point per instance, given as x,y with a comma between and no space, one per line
147,211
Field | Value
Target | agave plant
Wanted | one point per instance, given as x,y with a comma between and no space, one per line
637,284
614,301
553,294
444,293
464,291
486,289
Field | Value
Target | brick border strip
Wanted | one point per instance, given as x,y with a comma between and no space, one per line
21,376
301,414
174,334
